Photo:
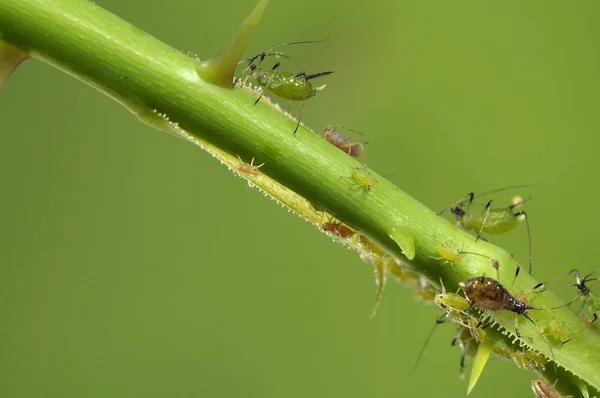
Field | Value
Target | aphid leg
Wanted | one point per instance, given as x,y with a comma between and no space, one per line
514,260
275,67
524,215
487,212
470,195
457,341
439,320
589,323
540,332
299,117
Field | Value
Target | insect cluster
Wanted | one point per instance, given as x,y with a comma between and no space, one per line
487,295
298,87
482,294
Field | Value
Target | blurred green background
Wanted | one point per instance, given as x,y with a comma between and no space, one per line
132,264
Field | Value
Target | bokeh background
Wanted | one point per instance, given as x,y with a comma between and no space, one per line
132,264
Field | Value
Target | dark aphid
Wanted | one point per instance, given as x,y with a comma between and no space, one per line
490,221
346,144
338,229
489,294
291,86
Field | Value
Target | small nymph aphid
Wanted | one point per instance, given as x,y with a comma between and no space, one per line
557,333
492,220
362,178
248,168
345,144
287,85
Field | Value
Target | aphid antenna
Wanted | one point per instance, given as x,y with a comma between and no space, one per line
275,54
508,188
441,319
337,126
272,51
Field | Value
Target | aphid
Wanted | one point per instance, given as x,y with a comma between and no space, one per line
527,358
590,300
543,389
248,168
489,294
556,332
362,178
338,229
448,254
345,144
287,85
490,221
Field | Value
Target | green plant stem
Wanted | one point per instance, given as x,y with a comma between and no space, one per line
144,74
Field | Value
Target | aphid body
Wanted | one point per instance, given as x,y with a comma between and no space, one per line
448,254
489,294
345,144
497,221
287,85
291,86
362,178
248,168
338,229
556,333
543,389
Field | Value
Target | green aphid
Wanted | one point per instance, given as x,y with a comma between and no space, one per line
287,85
492,221
362,178
556,332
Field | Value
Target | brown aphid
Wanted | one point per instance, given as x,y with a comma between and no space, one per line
346,144
248,168
338,229
489,294
543,389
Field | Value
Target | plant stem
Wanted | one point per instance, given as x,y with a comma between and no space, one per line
145,75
